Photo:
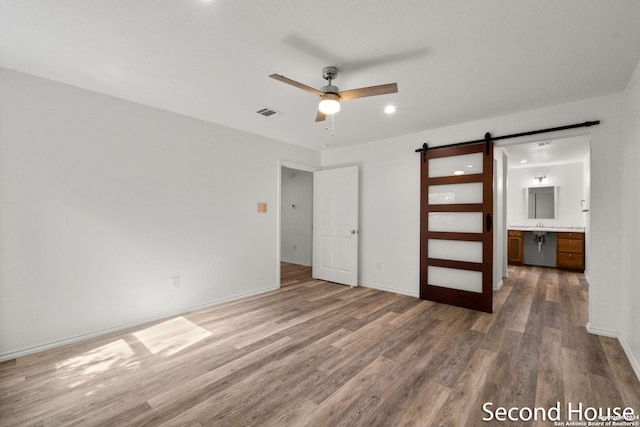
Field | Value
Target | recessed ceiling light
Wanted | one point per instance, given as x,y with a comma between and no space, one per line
458,172
389,109
523,161
469,166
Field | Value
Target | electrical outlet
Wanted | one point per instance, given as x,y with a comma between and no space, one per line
175,281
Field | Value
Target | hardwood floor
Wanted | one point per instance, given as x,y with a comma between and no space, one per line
291,274
315,353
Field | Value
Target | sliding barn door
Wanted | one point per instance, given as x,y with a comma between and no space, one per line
456,221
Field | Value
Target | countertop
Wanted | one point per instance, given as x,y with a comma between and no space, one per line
548,228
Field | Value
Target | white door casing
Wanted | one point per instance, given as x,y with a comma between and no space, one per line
335,225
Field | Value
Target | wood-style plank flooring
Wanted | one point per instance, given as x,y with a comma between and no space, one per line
316,353
292,274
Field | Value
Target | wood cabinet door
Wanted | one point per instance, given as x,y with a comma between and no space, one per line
515,249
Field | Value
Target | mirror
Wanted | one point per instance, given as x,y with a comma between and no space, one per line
541,202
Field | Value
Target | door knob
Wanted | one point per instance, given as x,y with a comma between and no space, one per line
353,231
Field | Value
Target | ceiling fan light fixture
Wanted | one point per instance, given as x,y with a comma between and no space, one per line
331,96
329,103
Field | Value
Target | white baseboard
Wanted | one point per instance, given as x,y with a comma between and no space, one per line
388,289
599,331
295,261
586,276
632,360
77,338
498,286
623,343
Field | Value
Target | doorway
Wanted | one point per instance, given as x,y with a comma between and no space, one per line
295,224
317,222
564,166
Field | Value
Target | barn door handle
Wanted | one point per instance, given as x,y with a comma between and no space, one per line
489,222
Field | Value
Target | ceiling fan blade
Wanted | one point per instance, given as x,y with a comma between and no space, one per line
288,81
368,91
320,116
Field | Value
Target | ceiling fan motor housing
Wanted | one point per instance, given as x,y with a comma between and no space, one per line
329,73
330,89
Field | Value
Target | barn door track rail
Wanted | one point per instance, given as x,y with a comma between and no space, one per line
488,137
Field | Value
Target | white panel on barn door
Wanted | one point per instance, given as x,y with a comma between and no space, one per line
335,225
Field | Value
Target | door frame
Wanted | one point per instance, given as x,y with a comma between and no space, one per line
504,146
290,165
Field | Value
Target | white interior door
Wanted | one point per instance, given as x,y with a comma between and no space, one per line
335,225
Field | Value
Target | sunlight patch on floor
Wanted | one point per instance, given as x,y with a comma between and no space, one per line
95,362
170,337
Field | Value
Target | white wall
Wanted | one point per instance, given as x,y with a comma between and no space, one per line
389,209
500,225
390,196
629,252
569,180
586,196
102,201
297,222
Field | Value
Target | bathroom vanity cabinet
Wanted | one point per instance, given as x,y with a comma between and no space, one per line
568,249
515,247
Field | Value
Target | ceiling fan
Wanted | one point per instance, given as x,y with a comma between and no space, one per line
330,96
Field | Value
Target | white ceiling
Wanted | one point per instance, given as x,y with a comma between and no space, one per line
548,152
454,61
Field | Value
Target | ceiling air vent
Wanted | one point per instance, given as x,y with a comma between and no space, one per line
266,111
